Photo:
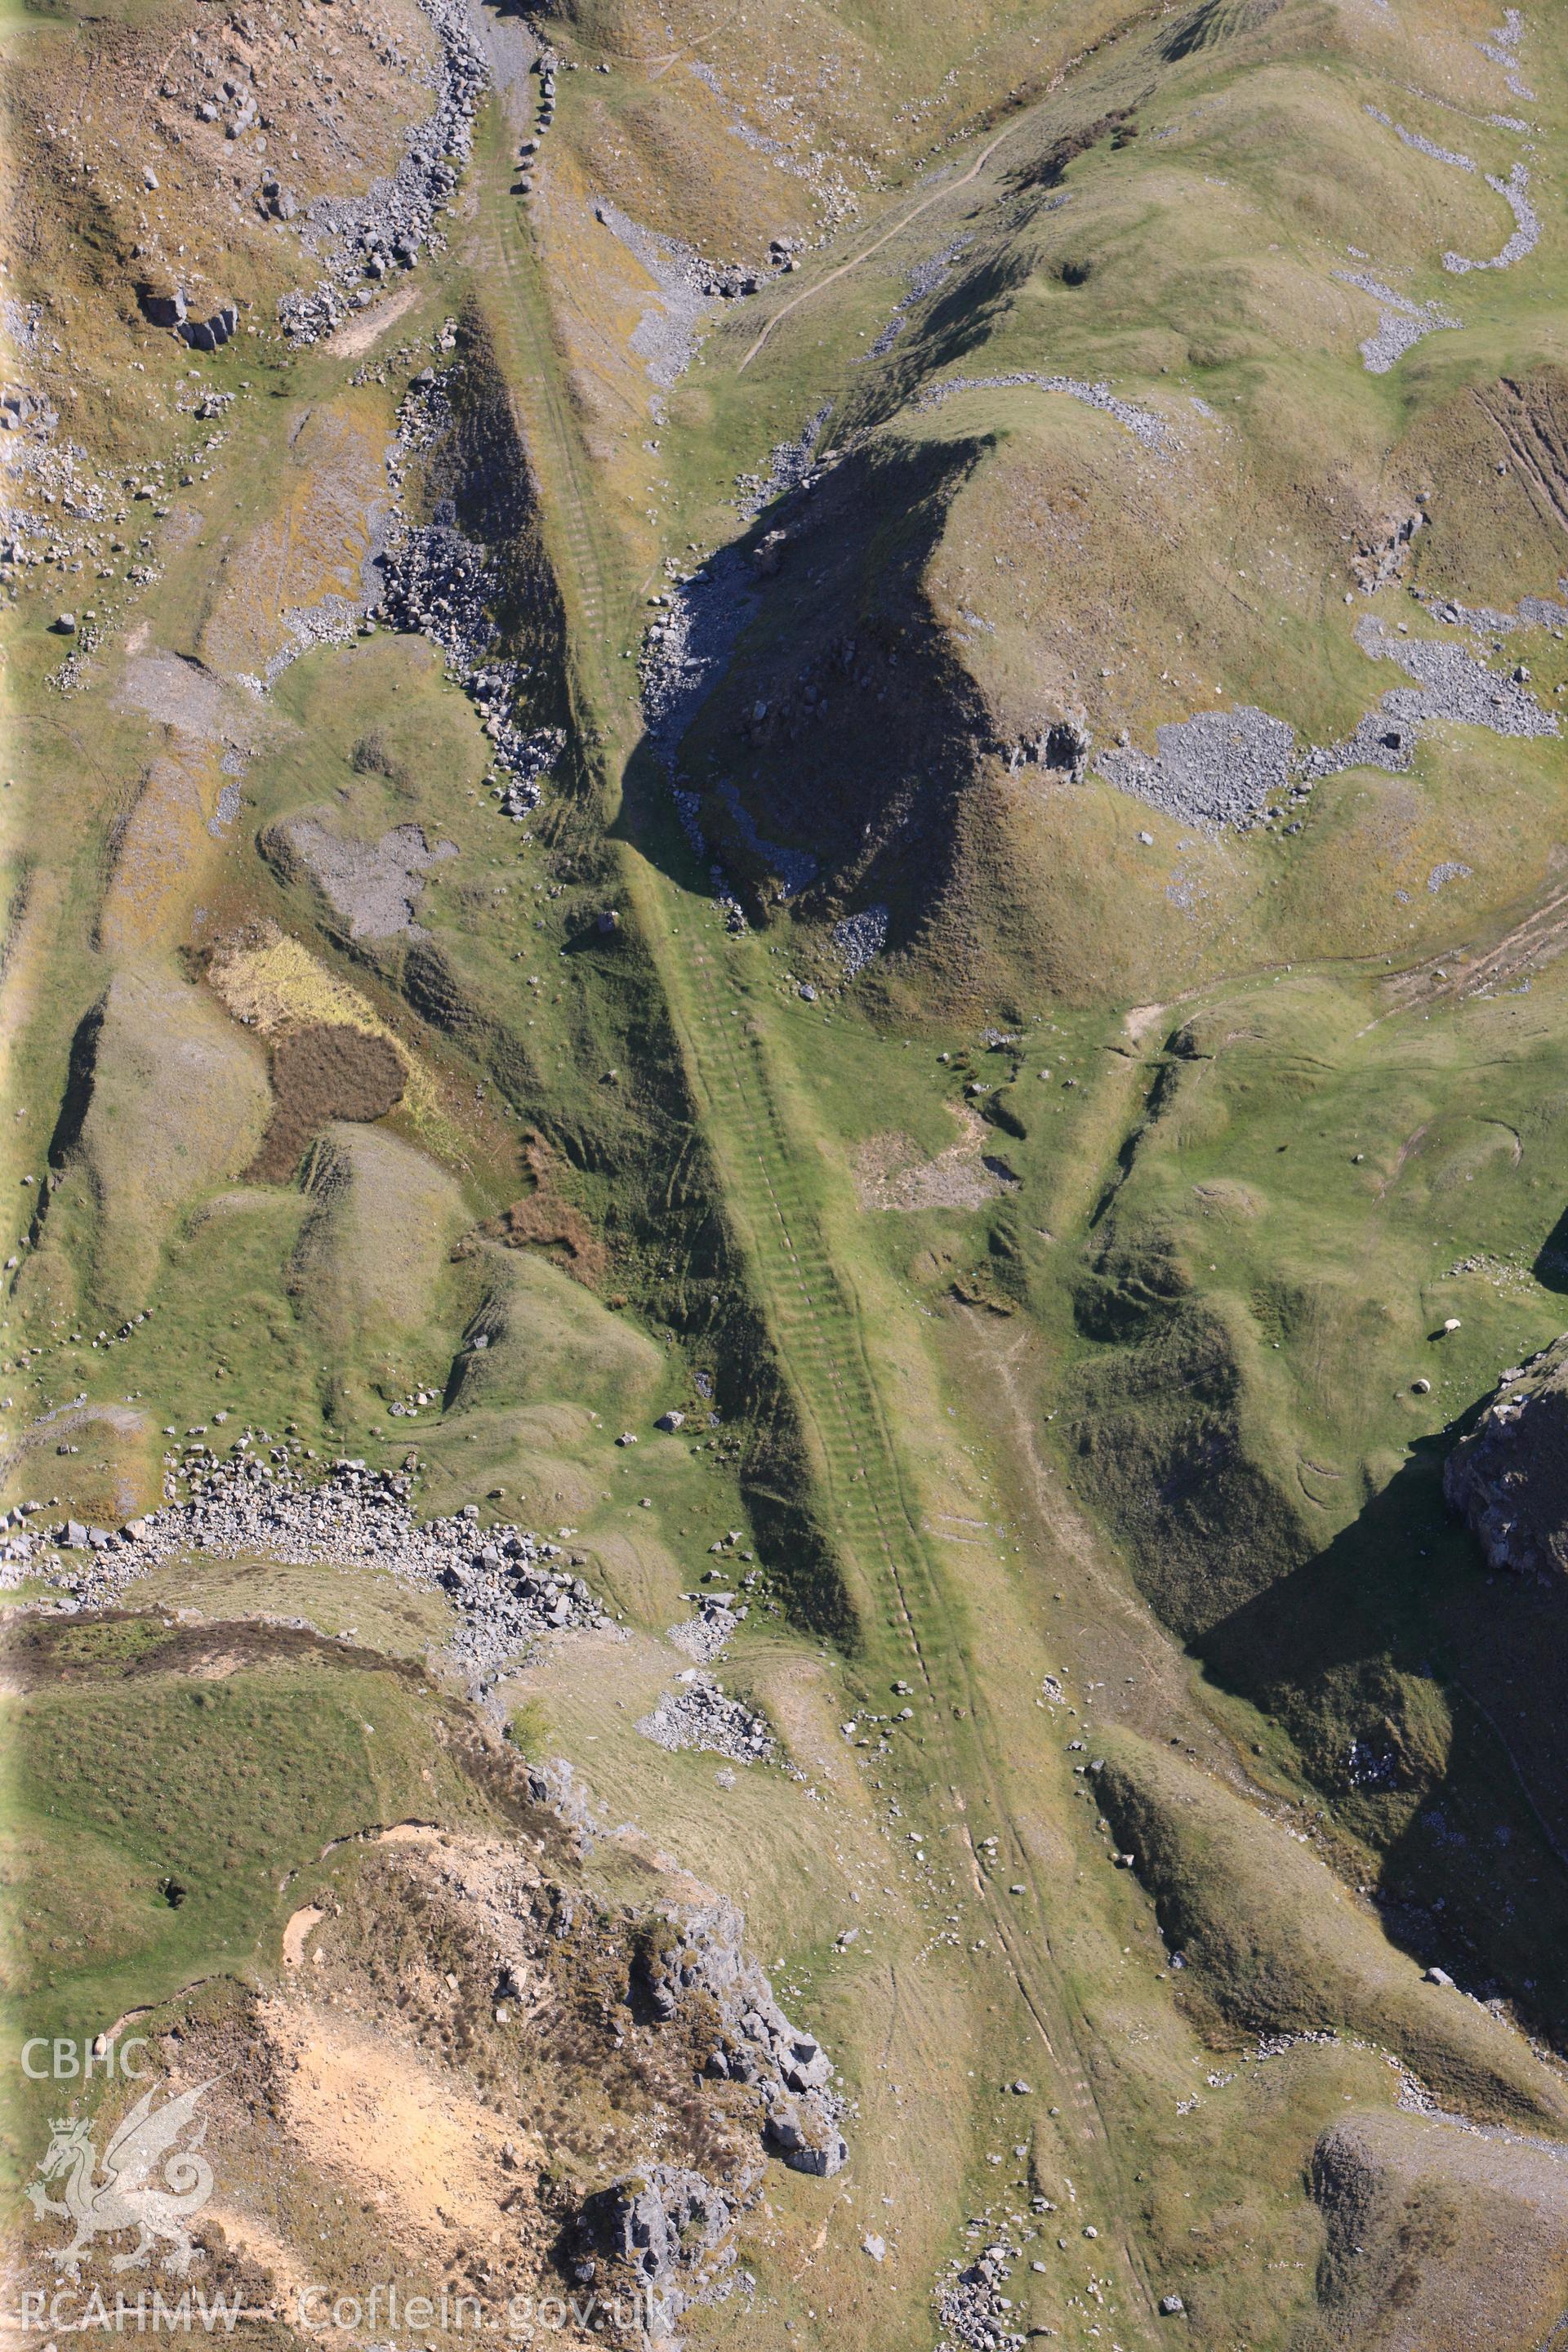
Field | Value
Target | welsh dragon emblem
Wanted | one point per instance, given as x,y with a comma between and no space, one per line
129,2196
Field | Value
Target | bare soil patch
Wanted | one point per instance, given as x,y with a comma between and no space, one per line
889,1173
540,1220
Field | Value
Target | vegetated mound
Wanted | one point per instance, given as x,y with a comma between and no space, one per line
1275,1944
1439,2240
1173,1437
372,1254
171,1775
164,1098
1509,1477
1500,451
537,1334
326,1072
540,1219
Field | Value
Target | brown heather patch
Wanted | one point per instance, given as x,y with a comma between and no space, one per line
325,1072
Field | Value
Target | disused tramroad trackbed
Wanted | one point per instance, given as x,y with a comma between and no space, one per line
808,1296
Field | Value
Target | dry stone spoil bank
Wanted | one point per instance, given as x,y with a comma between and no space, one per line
374,885
509,1586
437,583
1240,768
1151,431
1515,193
361,239
1401,323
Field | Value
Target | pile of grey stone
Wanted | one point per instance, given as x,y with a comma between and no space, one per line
707,1635
438,583
1401,322
509,1585
861,937
924,280
792,465
974,2311
361,239
1244,768
698,1714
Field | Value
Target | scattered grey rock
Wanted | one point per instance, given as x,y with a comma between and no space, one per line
437,583
689,290
1502,47
1239,767
974,2312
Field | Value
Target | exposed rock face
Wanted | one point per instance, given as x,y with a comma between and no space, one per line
673,2231
702,1957
1509,1476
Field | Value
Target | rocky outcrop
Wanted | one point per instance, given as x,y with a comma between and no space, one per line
672,2230
1508,1479
700,1959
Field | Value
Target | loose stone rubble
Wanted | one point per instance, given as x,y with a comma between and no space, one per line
436,583
1401,323
1241,767
924,278
1422,145
689,290
707,1635
973,2312
361,238
509,1585
698,1714
1453,684
1502,47
1219,767
790,464
861,937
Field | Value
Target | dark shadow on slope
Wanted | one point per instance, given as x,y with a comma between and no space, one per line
1551,1267
1426,1698
830,741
